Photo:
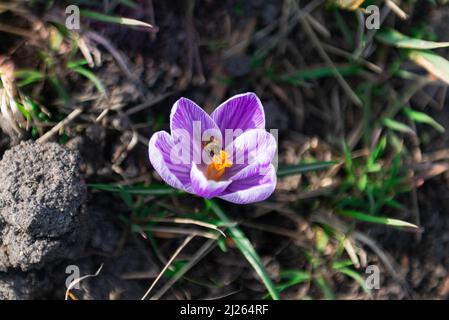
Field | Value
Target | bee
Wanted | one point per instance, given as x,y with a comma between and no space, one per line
212,147
218,161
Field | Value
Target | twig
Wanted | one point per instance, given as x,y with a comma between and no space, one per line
73,115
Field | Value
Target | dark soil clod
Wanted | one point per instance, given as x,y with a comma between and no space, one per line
42,201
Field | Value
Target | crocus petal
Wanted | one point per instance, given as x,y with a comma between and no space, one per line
168,166
242,111
252,189
190,124
206,188
253,148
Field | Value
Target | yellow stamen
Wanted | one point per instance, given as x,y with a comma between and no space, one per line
72,296
217,168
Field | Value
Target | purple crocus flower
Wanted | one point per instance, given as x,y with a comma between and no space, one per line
227,154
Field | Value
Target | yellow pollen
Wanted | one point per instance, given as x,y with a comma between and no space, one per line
218,165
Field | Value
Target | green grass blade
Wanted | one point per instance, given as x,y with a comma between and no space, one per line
348,156
348,162
155,190
344,28
247,249
28,77
378,151
299,77
76,63
305,167
375,219
342,264
397,126
91,76
356,276
325,288
129,3
59,88
293,277
113,19
422,117
397,39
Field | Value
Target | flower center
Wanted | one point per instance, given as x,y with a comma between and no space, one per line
219,163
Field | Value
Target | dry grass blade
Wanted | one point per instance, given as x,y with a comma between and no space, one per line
167,265
435,64
78,280
120,59
396,9
208,235
205,249
73,115
191,221
349,248
388,262
247,249
293,234
17,31
337,51
316,42
118,20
